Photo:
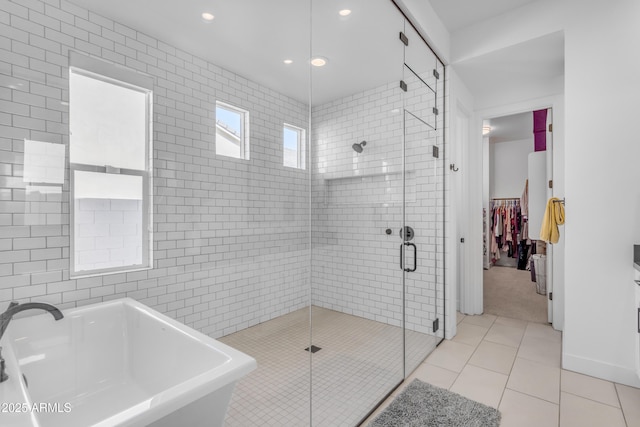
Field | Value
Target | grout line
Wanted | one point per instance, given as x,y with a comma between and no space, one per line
535,397
456,379
532,396
502,395
592,400
624,417
560,401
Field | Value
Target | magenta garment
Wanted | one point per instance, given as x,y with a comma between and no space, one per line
540,130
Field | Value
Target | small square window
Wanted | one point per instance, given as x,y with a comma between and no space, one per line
293,146
232,130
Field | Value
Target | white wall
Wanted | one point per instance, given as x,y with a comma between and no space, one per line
603,196
489,55
595,143
230,236
460,105
508,167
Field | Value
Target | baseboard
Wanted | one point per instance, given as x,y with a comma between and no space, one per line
599,369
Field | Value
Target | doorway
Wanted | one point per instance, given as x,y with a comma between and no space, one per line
516,264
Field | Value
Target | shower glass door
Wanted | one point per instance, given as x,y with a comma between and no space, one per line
357,209
423,243
376,207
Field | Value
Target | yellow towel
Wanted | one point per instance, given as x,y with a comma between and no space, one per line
553,217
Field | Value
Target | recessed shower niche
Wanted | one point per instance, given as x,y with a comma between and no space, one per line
374,190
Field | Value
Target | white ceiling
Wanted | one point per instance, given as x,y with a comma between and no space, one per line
253,37
456,14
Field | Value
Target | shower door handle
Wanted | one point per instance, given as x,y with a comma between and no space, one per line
415,257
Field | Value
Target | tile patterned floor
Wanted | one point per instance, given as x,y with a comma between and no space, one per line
360,362
514,366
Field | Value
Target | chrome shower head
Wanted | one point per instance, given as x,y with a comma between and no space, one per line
359,147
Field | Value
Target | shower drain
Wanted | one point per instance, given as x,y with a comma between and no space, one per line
313,349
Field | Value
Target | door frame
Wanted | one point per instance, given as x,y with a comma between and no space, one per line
460,195
472,295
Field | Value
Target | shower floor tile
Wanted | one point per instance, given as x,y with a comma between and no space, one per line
360,362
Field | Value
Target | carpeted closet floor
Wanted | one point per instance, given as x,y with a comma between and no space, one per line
509,292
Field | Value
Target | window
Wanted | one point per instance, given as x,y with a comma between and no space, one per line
232,130
293,146
109,157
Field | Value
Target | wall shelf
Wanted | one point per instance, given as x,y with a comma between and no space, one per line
376,189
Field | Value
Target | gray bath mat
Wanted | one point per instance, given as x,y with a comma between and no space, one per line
424,405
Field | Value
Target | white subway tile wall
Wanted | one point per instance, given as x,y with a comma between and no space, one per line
109,233
230,236
355,263
357,197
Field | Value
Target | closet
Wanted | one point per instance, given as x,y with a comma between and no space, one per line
508,233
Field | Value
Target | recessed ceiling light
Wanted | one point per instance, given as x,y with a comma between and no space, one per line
207,17
345,12
288,61
318,61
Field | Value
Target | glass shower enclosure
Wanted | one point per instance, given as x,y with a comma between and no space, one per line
371,226
377,207
296,199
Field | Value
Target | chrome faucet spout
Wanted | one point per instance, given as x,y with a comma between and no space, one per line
15,308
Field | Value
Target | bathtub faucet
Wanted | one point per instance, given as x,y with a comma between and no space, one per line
15,308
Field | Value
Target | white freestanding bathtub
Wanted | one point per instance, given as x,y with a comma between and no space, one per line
117,363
